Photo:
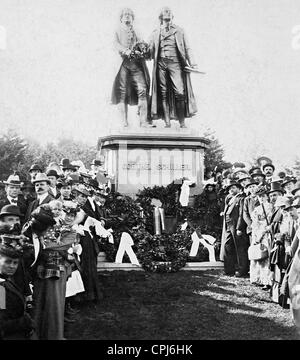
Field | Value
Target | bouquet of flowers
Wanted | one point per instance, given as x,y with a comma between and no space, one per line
139,51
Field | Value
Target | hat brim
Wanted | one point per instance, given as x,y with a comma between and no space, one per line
10,214
244,178
289,181
260,174
269,165
44,180
85,193
271,191
104,195
295,190
14,184
255,183
10,252
235,184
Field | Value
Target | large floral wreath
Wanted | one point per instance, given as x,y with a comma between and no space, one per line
163,253
156,253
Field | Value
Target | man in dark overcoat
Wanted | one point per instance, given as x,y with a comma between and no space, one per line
234,243
172,93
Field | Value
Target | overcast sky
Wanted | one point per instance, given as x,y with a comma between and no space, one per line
57,68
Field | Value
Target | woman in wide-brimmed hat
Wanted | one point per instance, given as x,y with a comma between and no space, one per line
15,322
260,273
52,270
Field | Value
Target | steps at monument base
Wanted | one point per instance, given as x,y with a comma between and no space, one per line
190,266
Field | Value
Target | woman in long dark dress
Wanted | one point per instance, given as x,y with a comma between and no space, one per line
88,241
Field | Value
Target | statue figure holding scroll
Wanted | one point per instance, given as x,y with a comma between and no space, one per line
172,93
132,83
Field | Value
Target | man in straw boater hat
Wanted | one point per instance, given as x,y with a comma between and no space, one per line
172,93
234,245
15,321
41,184
13,194
132,83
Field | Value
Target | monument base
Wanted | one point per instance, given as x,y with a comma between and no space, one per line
149,156
190,266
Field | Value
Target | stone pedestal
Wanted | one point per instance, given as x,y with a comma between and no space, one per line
148,157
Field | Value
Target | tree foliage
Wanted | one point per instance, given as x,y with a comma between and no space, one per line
296,167
12,153
18,154
214,154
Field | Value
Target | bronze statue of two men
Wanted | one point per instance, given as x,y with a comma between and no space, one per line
172,95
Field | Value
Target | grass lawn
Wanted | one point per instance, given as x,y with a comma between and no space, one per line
192,305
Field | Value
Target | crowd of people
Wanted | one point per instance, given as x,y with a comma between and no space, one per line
260,234
50,226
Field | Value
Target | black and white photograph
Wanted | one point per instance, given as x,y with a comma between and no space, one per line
149,173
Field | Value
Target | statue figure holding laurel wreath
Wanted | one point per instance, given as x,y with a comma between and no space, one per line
132,83
172,93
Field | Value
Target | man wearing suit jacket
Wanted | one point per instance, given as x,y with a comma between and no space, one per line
53,176
235,244
172,93
13,196
41,184
132,83
250,202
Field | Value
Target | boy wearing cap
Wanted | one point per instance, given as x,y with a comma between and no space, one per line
15,322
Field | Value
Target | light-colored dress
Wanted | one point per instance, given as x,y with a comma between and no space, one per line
260,272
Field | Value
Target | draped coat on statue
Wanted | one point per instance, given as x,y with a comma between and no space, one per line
186,58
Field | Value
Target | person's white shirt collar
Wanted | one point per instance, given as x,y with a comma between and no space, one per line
54,190
41,198
92,203
12,200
